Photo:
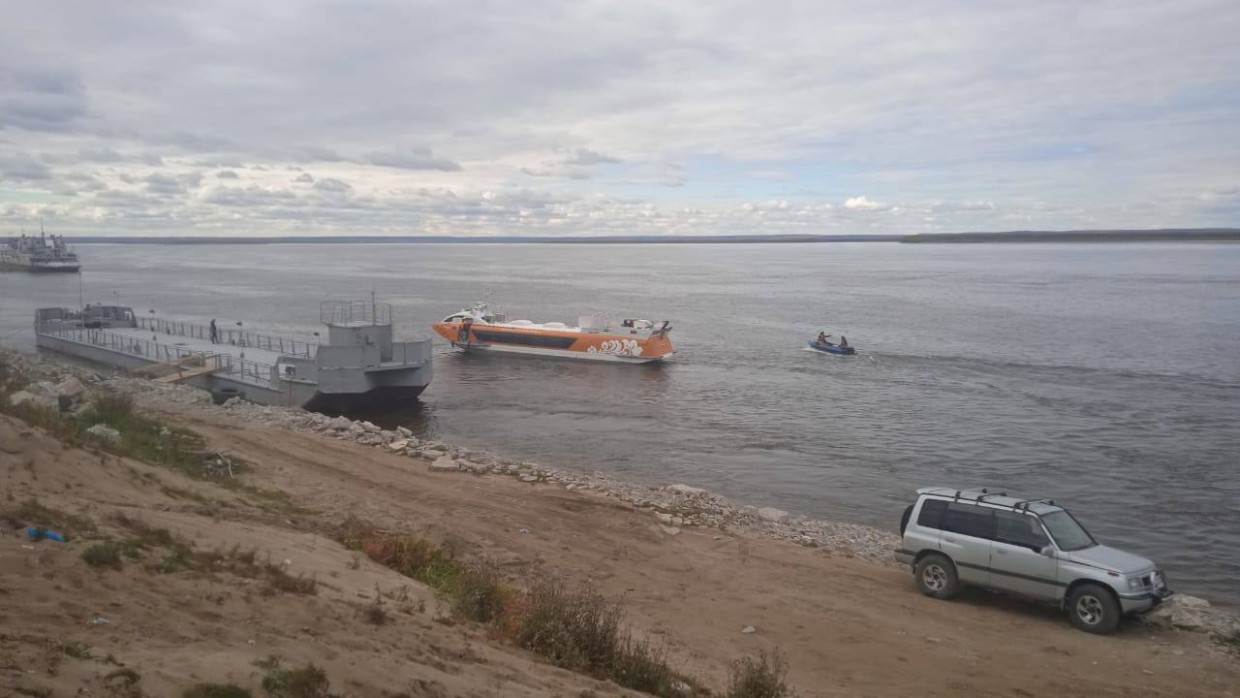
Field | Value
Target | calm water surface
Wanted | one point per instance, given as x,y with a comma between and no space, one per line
1105,376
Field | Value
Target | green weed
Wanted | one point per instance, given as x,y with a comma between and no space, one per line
216,690
107,554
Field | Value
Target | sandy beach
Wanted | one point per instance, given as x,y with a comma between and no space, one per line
711,582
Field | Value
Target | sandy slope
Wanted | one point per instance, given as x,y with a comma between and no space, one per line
847,627
178,629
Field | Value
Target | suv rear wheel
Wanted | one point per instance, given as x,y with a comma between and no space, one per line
936,575
1093,609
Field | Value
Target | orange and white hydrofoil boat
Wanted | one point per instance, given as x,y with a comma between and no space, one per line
633,341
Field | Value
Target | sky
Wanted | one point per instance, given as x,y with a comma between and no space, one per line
585,117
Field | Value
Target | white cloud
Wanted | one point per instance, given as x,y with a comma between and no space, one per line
639,117
861,203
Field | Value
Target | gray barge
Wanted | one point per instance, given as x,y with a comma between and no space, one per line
360,365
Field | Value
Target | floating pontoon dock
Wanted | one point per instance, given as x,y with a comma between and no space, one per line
359,364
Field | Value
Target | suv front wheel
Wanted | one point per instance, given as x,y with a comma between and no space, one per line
1093,609
936,575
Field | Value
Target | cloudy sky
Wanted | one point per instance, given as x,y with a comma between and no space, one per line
580,117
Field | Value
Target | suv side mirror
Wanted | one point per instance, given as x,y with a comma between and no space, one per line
1048,550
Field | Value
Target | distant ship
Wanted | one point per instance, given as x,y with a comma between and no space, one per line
38,254
633,342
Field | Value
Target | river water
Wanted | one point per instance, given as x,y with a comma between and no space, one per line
1105,376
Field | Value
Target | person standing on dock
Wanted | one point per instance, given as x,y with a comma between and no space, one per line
215,334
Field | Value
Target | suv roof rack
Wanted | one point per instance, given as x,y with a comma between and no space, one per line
984,495
1024,503
981,495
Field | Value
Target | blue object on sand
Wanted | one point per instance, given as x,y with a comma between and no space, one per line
40,533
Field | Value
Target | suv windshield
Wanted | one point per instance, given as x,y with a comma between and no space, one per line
1069,534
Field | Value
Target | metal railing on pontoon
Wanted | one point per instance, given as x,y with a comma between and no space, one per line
242,370
231,337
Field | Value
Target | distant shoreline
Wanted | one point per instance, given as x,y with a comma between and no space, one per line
1015,236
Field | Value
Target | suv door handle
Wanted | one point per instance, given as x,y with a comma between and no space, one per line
1000,551
949,540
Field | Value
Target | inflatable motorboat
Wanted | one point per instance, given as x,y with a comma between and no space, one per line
830,348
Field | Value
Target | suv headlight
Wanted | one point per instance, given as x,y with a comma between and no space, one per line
1135,584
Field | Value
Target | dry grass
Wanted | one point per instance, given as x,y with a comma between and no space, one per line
760,677
308,682
480,595
216,690
180,557
375,613
182,493
414,557
106,554
278,580
49,419
71,648
579,629
575,629
146,533
646,668
113,408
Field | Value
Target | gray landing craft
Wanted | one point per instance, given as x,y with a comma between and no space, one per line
359,365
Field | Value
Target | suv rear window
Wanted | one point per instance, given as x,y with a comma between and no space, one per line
931,511
969,520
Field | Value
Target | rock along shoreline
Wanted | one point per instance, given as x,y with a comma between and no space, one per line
674,506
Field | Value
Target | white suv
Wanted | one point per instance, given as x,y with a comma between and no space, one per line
1031,547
